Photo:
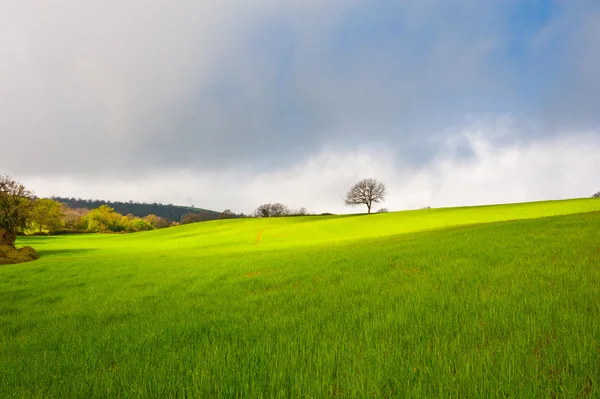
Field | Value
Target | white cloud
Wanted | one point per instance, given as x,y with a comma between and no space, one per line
230,104
564,166
142,87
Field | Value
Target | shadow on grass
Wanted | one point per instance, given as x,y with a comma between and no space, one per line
28,240
65,252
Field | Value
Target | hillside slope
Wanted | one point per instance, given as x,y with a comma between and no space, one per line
432,303
269,233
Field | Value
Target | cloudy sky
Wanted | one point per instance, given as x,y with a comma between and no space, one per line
230,104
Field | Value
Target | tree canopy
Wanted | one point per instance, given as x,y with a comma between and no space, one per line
271,210
48,214
165,211
15,209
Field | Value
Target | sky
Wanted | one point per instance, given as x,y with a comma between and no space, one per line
232,104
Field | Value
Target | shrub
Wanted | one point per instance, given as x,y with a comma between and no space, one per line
28,253
156,222
10,255
138,224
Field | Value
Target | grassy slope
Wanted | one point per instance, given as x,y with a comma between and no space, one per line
346,306
225,236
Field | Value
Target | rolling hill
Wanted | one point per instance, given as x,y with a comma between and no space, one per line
473,302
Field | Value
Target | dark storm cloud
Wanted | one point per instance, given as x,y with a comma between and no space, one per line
95,87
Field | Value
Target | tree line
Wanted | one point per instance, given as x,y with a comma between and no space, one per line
51,216
140,209
48,216
22,212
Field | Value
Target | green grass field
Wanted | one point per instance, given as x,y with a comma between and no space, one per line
495,301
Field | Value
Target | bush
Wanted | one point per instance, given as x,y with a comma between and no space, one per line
597,195
138,224
10,255
28,253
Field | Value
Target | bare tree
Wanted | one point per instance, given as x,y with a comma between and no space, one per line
227,214
271,210
279,210
74,218
194,217
300,212
368,192
597,195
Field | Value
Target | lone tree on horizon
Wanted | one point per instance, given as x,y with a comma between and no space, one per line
368,192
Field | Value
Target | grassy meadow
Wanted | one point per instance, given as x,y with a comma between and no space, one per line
494,301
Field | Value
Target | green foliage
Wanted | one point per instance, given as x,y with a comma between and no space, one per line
170,212
48,215
54,217
428,303
15,209
104,219
137,224
156,222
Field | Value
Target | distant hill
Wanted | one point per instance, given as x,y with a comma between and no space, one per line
170,211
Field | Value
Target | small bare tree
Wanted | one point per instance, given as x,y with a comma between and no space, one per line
271,210
227,214
597,195
301,212
368,192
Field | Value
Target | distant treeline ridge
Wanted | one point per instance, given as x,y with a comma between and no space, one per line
169,211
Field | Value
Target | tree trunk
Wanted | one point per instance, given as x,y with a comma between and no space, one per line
7,239
369,207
